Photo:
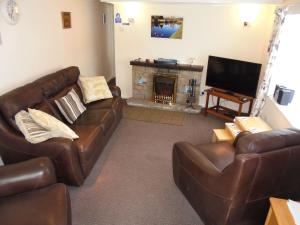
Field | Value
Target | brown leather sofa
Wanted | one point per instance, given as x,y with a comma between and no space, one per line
73,160
29,195
231,185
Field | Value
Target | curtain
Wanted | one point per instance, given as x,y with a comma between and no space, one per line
280,14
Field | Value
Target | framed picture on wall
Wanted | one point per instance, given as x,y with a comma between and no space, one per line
166,27
66,20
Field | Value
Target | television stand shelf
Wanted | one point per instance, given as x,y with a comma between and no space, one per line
224,112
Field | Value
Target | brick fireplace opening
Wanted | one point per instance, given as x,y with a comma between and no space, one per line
164,88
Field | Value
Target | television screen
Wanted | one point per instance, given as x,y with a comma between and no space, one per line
233,75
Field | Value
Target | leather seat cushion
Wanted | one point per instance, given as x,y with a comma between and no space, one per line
104,104
90,137
96,117
221,154
45,206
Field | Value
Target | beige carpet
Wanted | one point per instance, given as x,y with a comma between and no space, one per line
132,182
154,115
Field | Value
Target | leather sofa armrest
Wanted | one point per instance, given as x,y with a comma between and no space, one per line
192,154
115,90
26,176
225,183
63,153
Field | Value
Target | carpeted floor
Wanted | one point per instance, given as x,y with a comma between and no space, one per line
132,182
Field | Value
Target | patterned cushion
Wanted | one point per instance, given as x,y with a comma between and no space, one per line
33,132
70,106
94,88
52,124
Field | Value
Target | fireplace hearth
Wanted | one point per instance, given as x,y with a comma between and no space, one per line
164,88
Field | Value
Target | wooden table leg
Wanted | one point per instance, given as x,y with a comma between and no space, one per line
206,105
218,104
240,109
250,107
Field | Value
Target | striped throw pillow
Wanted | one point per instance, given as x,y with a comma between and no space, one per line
70,106
33,132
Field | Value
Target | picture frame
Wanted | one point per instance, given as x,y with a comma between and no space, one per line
170,27
66,20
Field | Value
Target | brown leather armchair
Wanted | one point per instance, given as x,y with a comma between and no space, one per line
29,195
230,184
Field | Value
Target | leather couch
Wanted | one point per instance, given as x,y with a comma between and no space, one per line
231,184
73,160
29,195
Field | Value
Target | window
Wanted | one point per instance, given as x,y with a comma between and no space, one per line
286,69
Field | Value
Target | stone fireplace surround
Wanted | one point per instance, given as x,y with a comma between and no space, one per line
142,84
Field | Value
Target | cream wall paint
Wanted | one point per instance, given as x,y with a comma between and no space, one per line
273,116
38,45
208,30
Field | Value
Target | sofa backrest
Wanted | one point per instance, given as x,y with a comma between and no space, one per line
37,93
54,83
268,141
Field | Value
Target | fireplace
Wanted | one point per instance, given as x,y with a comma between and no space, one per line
164,88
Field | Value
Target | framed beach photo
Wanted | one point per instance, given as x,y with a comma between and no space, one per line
166,27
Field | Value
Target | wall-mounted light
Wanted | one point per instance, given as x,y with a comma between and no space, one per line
248,13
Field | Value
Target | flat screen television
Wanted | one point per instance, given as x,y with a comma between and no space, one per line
233,75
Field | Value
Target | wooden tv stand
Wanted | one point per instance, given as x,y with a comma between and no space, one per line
224,112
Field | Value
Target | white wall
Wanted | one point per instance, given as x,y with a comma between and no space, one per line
38,45
272,114
208,30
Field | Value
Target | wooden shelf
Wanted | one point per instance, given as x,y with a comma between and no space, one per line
224,112
187,67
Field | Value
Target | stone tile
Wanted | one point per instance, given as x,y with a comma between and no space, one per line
174,107
145,91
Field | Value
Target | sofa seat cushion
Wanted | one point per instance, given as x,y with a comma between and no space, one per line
90,137
46,206
221,154
111,103
104,118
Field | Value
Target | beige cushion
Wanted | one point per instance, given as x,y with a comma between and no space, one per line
58,128
94,88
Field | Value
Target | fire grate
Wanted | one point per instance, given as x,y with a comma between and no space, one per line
164,88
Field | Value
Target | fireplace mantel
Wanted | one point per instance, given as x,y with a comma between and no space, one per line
186,67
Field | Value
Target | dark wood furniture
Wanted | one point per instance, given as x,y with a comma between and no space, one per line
149,63
222,111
